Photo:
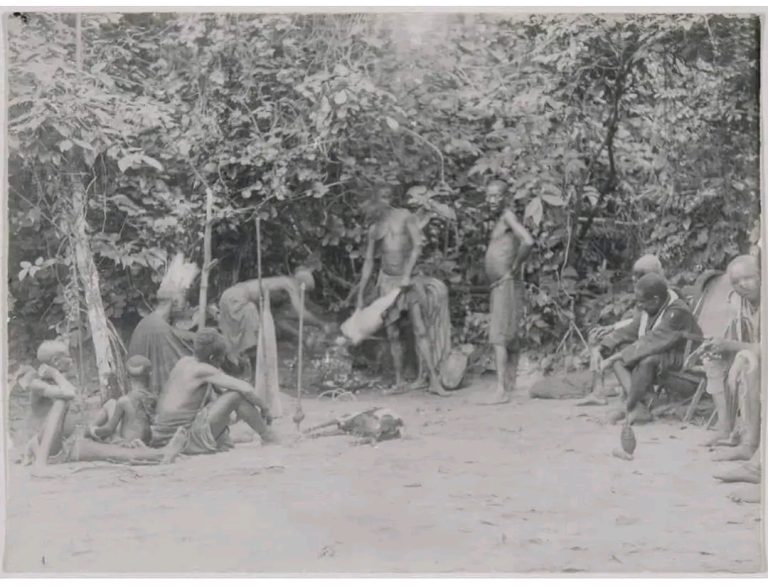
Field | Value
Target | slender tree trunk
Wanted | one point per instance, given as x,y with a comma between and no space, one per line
203,305
106,363
89,280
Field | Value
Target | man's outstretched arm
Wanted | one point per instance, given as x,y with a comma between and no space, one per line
293,293
223,381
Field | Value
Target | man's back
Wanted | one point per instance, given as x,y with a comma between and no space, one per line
185,389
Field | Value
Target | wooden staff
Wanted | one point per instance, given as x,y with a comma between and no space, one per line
203,302
261,298
298,415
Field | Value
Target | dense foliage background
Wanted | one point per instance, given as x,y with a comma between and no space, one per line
616,136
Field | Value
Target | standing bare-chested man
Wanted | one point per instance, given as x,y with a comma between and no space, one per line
395,235
509,247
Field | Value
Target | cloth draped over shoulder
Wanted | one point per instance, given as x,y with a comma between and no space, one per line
162,344
646,335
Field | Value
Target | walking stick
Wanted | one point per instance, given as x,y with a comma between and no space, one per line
298,415
261,290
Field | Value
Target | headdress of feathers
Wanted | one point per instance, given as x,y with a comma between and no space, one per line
178,278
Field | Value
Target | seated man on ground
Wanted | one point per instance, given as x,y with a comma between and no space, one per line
652,344
643,266
56,440
189,401
50,395
738,355
127,420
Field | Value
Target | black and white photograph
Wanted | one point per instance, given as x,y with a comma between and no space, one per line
382,292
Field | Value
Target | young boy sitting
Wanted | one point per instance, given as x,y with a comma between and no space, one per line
127,420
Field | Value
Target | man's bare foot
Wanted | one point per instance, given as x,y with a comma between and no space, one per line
715,439
741,474
620,454
640,415
436,388
617,416
175,446
750,494
396,390
498,397
269,437
592,399
740,453
733,439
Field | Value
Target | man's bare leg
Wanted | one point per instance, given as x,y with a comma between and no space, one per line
716,371
223,407
85,449
625,379
500,394
596,396
422,380
50,437
749,401
396,349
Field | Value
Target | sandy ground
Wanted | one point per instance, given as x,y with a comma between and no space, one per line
526,487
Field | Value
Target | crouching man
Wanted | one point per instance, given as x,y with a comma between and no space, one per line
651,345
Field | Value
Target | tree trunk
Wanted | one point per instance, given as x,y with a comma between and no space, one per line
203,305
89,280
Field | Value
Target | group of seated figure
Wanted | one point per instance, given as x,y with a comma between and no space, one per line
664,338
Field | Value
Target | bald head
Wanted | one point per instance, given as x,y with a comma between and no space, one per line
647,264
745,263
651,293
744,273
56,354
138,366
50,350
651,284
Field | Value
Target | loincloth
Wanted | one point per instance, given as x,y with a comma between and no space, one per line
507,307
201,439
238,321
385,284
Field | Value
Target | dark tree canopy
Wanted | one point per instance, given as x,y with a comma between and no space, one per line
615,136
